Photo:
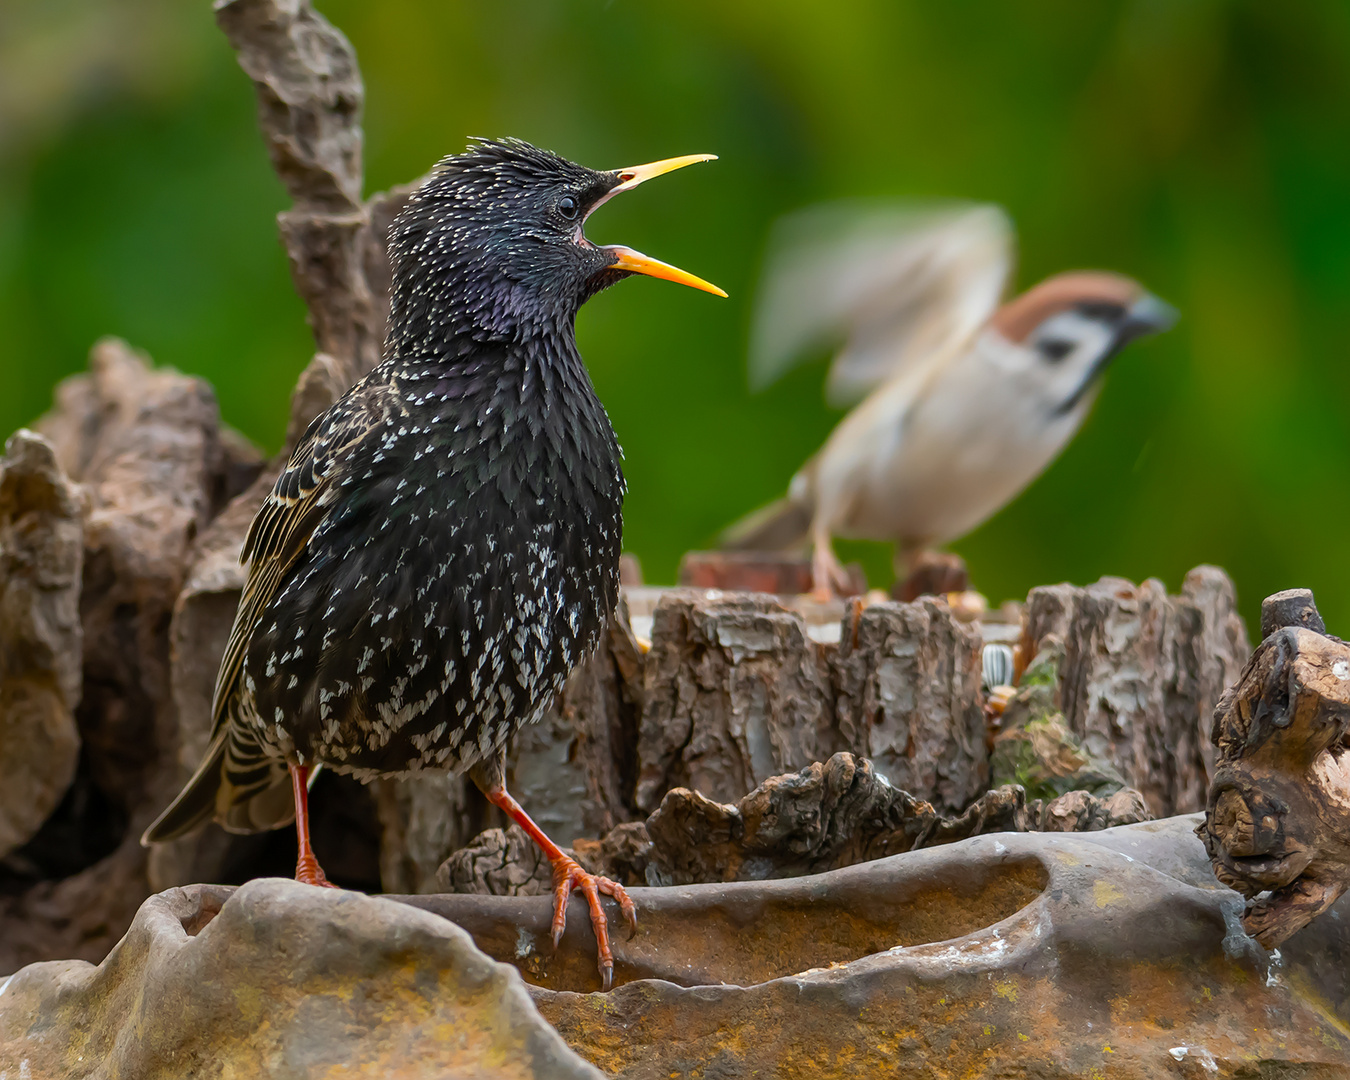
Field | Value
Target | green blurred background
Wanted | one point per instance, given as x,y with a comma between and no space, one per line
1200,146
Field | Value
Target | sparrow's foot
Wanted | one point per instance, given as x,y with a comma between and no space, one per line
829,579
568,875
309,872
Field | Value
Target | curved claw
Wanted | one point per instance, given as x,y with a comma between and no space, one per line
568,875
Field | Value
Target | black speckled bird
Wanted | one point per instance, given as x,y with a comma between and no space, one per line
443,547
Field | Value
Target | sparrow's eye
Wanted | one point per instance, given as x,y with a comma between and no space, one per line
1055,349
567,207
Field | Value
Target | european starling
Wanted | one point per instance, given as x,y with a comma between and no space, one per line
443,547
967,401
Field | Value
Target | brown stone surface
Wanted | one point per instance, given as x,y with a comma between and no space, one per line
909,698
1111,954
1142,673
1277,822
279,980
41,640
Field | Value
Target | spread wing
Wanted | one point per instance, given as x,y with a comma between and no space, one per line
894,283
296,506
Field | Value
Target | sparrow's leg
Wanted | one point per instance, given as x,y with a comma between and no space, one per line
829,579
567,874
307,870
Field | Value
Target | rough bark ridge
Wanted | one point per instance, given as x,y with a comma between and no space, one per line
733,691
908,677
146,448
41,640
826,816
1277,821
1141,673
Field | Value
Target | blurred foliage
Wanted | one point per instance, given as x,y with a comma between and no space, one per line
1198,145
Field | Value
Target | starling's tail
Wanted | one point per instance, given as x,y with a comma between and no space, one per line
196,803
780,526
236,784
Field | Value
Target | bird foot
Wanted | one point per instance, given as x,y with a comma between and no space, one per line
567,876
829,579
308,872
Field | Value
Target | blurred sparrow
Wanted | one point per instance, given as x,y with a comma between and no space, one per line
966,400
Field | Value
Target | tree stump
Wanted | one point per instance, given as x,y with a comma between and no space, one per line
41,640
733,691
1142,672
908,678
1277,820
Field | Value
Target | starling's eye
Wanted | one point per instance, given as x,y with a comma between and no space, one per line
567,207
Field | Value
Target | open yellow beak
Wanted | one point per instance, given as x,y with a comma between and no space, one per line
639,174
636,262
639,263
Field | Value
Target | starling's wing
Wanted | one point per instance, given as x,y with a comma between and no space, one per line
237,782
894,283
299,501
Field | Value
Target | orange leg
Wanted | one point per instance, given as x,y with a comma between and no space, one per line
307,870
567,875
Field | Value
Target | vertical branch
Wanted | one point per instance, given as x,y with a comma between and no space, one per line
310,99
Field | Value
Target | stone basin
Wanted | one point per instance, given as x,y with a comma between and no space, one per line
1107,954
1113,954
753,931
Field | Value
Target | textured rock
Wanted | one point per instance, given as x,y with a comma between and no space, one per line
909,698
733,692
1112,954
1142,673
284,981
41,640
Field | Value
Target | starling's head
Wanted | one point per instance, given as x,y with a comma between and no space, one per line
491,246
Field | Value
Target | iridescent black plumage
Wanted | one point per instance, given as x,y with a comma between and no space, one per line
443,547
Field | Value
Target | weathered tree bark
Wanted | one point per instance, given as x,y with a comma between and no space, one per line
733,691
1142,671
1277,821
145,446
828,815
908,678
41,640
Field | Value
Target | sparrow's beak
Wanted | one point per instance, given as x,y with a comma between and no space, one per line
634,261
1147,315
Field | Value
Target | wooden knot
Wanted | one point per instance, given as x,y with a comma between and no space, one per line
1244,830
1292,607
